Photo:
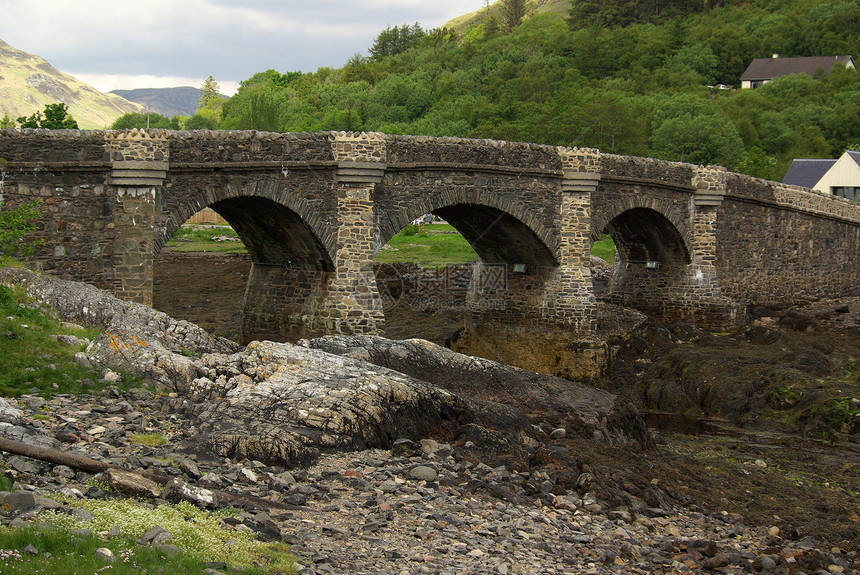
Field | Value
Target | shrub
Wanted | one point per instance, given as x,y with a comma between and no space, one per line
15,225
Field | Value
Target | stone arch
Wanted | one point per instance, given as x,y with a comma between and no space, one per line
275,224
646,235
498,230
274,234
662,217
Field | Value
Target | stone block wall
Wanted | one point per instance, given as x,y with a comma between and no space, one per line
67,172
283,304
780,246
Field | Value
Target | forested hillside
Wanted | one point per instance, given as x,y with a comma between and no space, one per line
624,76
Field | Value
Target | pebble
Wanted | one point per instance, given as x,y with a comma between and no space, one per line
417,508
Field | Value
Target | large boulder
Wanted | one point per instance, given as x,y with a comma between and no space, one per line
281,403
584,410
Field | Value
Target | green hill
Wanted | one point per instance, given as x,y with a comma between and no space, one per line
639,77
28,82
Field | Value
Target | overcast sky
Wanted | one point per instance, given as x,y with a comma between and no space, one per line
112,44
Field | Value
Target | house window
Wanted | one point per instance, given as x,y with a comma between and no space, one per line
849,192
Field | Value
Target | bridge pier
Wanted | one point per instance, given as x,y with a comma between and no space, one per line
352,304
547,316
138,169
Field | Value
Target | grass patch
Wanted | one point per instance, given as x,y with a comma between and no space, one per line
199,534
604,248
430,246
149,439
33,362
61,550
198,238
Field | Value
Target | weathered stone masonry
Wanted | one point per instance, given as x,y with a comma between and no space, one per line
693,243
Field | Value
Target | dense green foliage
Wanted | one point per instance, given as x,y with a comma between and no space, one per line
624,76
56,117
146,120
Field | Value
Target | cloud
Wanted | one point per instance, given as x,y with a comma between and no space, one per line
190,39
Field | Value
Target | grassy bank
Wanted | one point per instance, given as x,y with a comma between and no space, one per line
429,245
34,359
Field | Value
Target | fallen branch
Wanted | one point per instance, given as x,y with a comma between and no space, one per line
92,466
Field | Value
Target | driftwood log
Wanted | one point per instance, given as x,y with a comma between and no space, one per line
92,466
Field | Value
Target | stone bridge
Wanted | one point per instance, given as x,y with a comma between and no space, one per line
693,243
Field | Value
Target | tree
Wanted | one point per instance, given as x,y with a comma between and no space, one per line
57,117
397,39
201,121
513,12
149,120
6,122
210,102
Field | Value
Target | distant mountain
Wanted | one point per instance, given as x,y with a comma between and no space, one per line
165,101
28,82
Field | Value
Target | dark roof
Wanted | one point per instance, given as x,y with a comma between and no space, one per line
807,173
767,68
854,156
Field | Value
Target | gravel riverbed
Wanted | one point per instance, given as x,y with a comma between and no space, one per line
417,508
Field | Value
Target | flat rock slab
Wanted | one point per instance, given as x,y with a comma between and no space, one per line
585,408
282,403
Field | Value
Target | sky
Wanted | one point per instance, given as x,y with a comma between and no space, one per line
125,44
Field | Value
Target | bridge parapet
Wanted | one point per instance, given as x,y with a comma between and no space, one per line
793,198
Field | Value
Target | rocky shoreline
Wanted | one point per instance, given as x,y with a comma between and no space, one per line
365,469
419,507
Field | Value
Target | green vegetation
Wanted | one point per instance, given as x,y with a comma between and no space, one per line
430,245
32,359
56,117
604,248
196,238
147,120
628,79
148,439
196,533
15,224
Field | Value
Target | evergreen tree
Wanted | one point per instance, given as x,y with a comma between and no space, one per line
210,103
395,40
513,12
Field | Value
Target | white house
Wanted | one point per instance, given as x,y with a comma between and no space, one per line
838,177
